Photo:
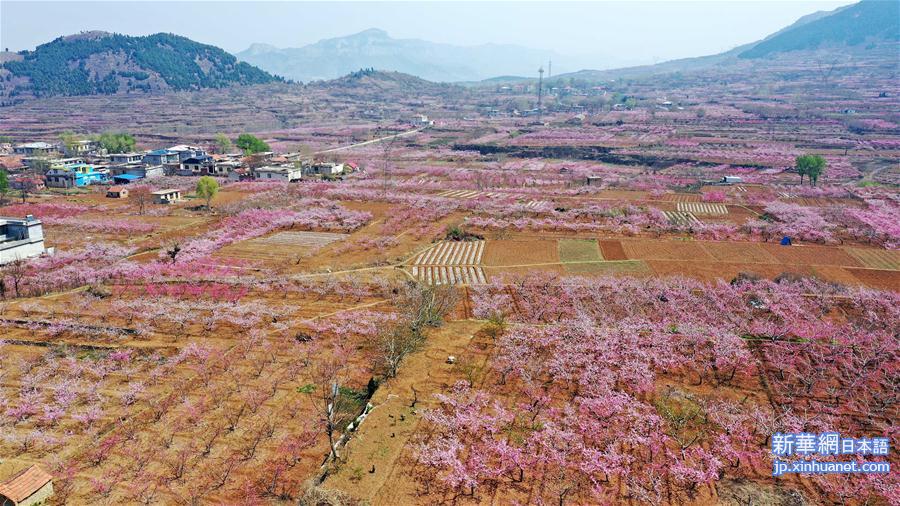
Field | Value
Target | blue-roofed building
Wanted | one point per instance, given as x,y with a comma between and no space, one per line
71,176
161,157
126,178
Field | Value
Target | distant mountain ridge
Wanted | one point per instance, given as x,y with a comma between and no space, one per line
91,63
869,20
374,48
845,29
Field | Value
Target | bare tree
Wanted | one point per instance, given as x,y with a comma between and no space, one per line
334,403
394,345
426,306
139,195
421,306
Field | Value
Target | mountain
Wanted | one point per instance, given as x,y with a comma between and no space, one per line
103,63
841,31
374,85
373,48
869,21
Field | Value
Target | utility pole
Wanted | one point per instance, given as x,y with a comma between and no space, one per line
540,90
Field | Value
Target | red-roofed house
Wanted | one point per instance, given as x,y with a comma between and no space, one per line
117,192
29,487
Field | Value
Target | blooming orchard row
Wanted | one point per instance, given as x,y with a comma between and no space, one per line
574,408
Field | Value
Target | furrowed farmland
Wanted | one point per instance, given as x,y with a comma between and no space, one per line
626,295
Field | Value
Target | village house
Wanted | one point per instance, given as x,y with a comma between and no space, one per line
420,120
117,192
326,169
81,148
66,163
240,174
35,149
166,196
138,170
185,152
123,179
27,182
224,168
44,162
30,487
20,238
161,157
196,165
75,176
122,158
278,173
594,181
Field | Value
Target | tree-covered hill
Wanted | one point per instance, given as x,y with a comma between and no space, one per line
869,21
103,63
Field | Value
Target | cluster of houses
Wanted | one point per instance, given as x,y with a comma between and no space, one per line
86,163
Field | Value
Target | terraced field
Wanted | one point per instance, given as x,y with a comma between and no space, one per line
702,208
876,258
579,250
450,262
282,246
681,218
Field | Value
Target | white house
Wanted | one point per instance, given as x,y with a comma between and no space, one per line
20,239
122,158
166,196
279,173
326,168
420,120
35,149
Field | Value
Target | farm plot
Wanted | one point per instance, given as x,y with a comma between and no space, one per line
470,194
451,263
738,252
681,197
681,218
520,252
612,250
702,208
281,246
876,258
536,204
886,280
646,249
811,255
579,250
712,271
629,267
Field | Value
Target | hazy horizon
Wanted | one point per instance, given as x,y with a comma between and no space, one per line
596,34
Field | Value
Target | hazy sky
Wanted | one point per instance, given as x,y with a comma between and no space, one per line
632,31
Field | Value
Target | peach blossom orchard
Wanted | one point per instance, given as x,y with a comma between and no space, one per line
494,309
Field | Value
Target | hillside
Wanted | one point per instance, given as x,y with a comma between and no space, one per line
840,32
93,63
870,21
378,84
332,58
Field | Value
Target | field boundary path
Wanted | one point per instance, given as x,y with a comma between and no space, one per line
373,141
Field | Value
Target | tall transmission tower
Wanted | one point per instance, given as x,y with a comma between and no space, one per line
550,68
540,90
